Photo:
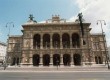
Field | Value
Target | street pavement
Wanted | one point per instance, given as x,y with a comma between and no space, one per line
54,75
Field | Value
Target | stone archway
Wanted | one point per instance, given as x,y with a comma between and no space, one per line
96,59
36,60
100,61
56,40
46,59
15,61
56,59
66,59
46,41
75,40
36,41
77,59
66,40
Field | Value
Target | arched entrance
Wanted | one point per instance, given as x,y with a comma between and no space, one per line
66,59
77,59
46,59
36,60
56,59
15,61
98,60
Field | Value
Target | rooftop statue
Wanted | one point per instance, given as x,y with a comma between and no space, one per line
31,17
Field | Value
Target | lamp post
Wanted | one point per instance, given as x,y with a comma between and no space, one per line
103,21
6,58
9,25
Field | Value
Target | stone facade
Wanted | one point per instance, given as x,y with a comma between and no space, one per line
56,42
3,47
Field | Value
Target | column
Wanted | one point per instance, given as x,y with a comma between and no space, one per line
51,45
30,61
31,57
41,42
72,61
70,41
41,58
61,47
31,44
31,41
51,59
61,59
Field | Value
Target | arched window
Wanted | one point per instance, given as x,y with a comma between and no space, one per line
56,41
75,40
66,40
36,41
46,41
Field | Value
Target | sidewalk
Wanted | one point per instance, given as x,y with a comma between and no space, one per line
55,69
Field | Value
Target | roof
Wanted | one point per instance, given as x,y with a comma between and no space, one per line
55,20
15,36
2,43
97,34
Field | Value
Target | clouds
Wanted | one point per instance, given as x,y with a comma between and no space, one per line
94,10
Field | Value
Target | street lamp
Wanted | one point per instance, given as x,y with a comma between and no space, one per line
6,58
9,25
103,21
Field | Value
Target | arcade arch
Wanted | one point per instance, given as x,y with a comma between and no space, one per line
75,40
15,61
46,41
66,59
36,60
77,59
98,60
36,41
56,40
46,59
56,59
66,40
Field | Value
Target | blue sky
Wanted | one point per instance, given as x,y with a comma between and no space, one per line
17,11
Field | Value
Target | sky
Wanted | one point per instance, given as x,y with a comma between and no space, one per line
17,12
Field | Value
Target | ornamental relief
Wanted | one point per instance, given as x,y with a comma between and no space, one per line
65,28
74,28
46,29
56,28
26,34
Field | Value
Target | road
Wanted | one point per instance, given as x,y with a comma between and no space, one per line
54,75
